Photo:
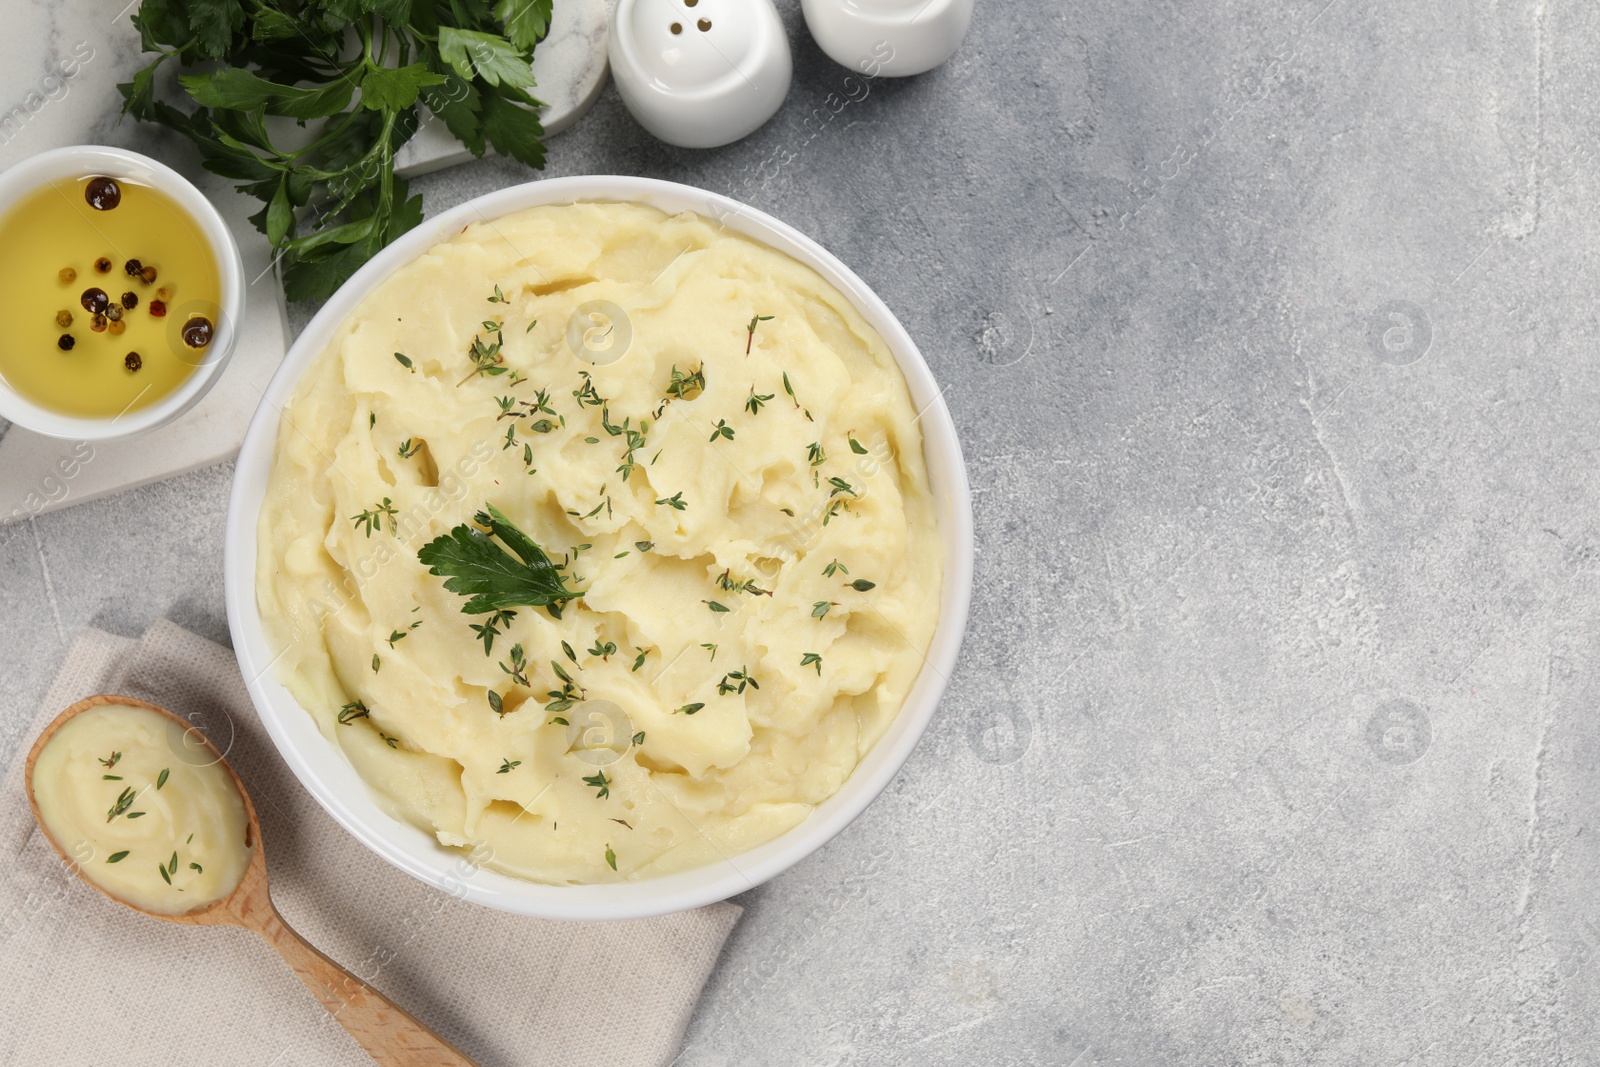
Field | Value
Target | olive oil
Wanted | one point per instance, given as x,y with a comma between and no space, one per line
106,286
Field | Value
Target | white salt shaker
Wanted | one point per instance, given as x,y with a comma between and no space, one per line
700,73
892,37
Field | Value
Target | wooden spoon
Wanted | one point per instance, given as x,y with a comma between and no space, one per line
389,1033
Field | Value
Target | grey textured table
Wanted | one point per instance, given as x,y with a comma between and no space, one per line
1269,330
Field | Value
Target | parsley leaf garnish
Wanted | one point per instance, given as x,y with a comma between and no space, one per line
473,564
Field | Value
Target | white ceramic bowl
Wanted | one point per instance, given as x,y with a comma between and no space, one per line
79,161
335,784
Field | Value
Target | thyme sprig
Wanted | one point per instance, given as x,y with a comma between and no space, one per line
736,681
751,330
372,518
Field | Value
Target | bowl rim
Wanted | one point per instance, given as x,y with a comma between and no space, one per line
329,777
27,175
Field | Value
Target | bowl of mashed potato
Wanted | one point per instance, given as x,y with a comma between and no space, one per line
600,550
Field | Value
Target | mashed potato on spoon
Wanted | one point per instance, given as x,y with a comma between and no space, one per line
720,461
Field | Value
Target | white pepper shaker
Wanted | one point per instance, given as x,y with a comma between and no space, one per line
890,37
700,73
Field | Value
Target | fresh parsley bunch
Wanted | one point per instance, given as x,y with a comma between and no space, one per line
354,74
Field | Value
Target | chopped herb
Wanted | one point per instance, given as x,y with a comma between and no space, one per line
125,801
753,402
161,779
485,358
390,741
751,330
812,659
372,518
353,711
638,739
643,652
790,389
714,606
165,875
834,567
518,667
635,438
712,648
498,297
586,394
376,663
506,765
857,447
861,585
399,635
490,628
567,649
599,781
820,608
611,857
405,361
565,697
644,546
689,709
409,447
722,429
478,568
117,857
742,677
747,585
111,777
197,867
135,814
112,762
497,703
602,650
841,486
682,385
675,502
816,453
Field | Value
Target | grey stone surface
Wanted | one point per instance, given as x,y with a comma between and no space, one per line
1269,331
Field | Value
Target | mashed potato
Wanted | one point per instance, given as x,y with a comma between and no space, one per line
721,456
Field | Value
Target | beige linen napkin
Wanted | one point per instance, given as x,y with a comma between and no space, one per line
86,981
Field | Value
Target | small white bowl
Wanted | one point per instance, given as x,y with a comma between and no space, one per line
79,161
892,38
700,73
330,778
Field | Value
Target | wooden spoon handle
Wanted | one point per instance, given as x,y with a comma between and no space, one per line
389,1033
